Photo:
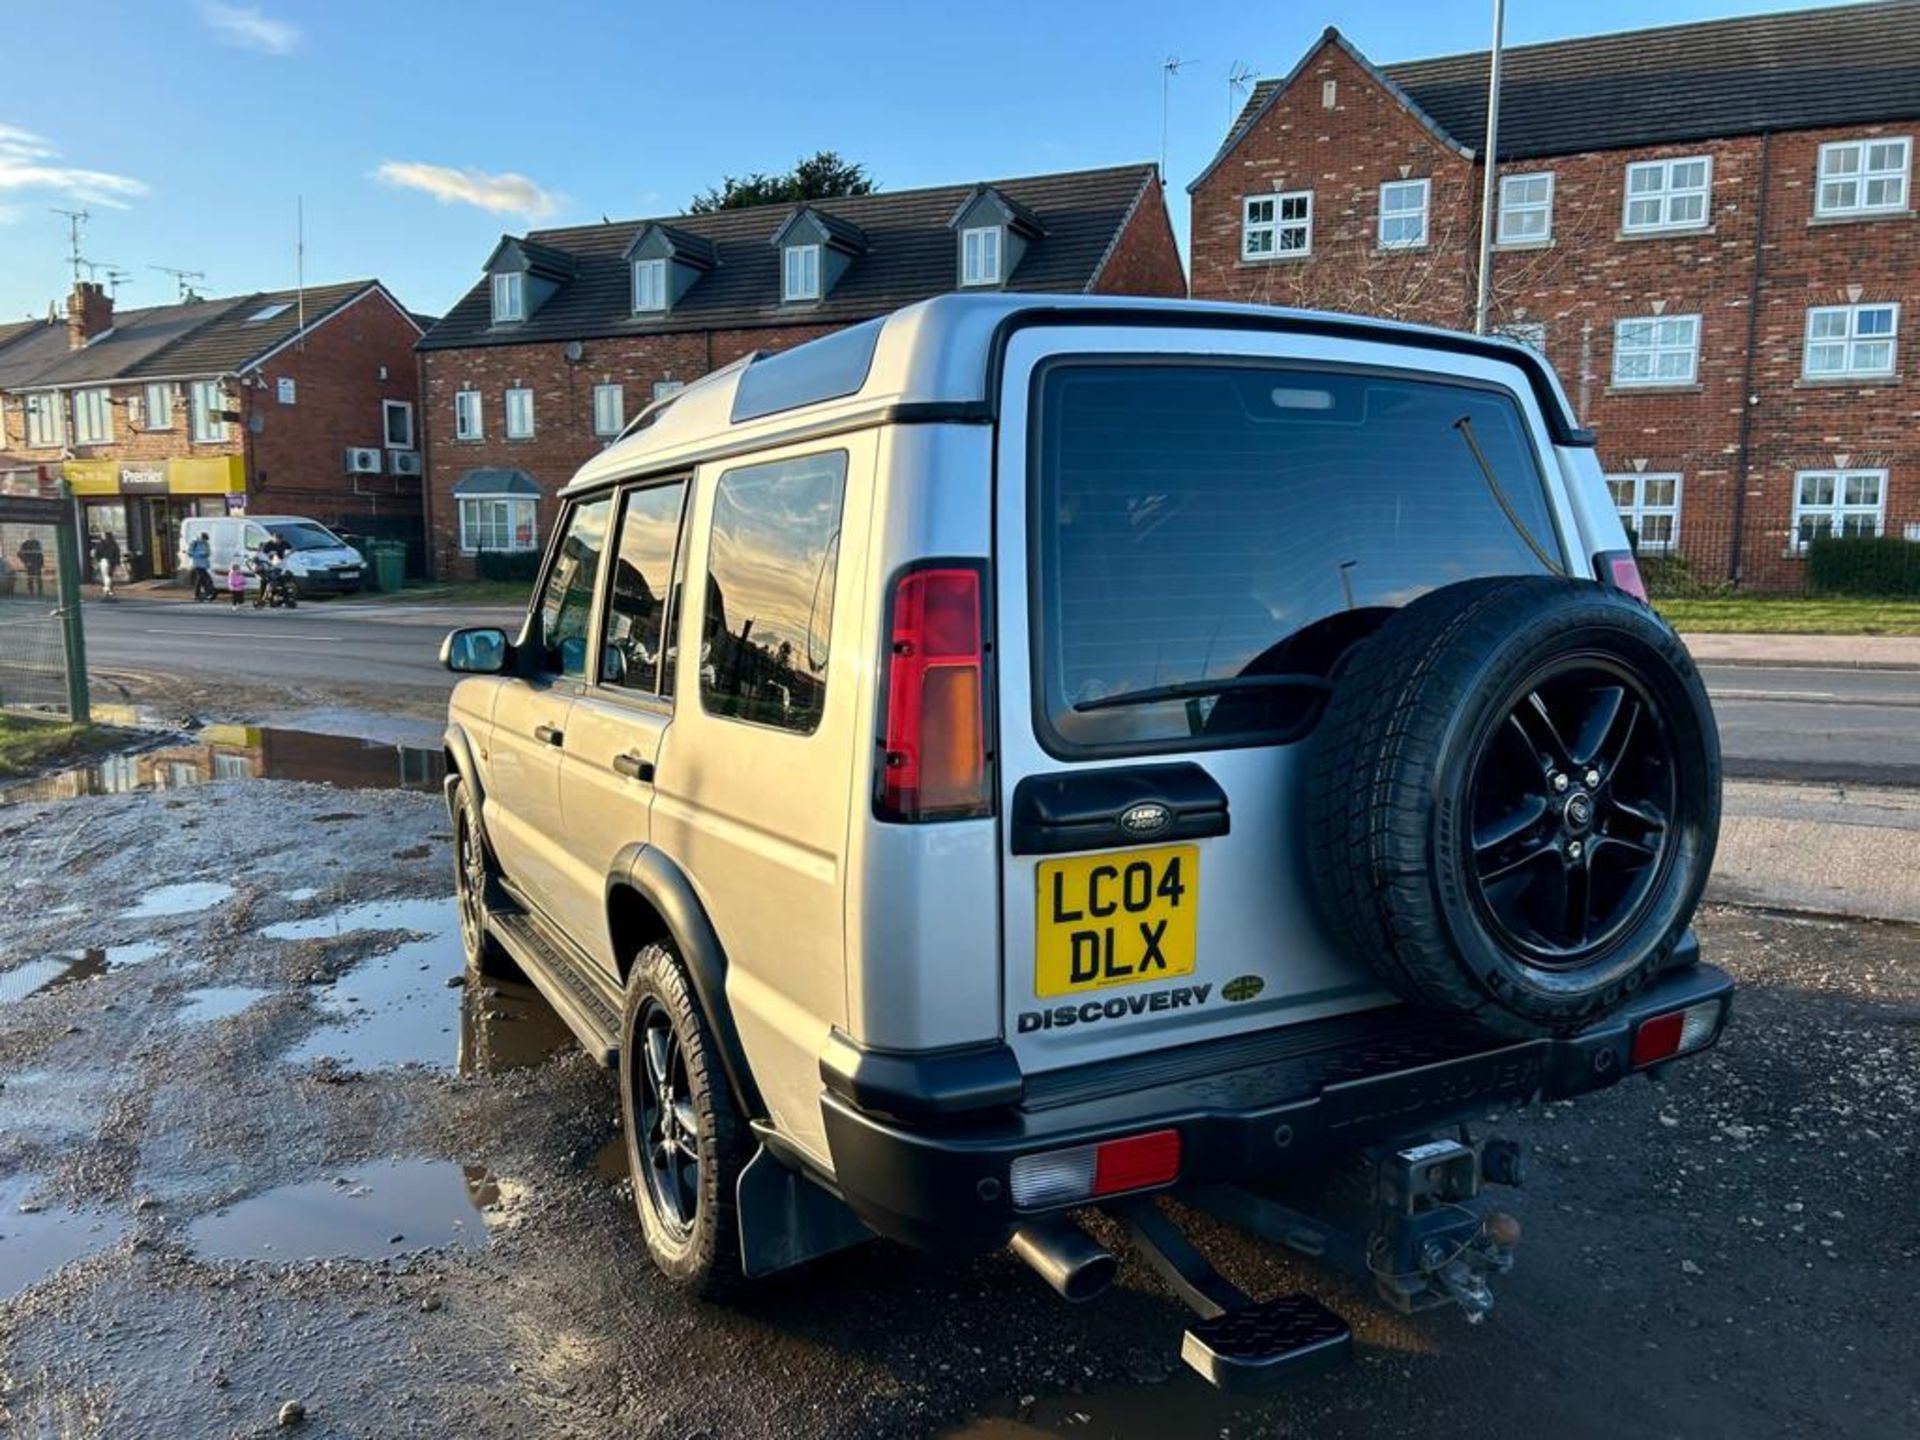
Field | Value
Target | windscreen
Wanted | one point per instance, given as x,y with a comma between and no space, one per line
1205,523
305,535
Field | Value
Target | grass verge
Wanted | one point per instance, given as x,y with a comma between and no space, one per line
28,744
1779,615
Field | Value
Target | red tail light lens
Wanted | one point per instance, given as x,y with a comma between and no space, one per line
1662,1037
933,742
1136,1162
1619,569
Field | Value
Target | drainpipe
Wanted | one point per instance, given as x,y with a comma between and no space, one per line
1489,174
1743,458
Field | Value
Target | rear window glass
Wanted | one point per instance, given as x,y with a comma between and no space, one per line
1204,523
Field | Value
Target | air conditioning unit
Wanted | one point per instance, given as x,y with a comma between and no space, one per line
363,460
403,462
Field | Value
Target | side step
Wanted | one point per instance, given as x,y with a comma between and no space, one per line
1238,1344
589,1009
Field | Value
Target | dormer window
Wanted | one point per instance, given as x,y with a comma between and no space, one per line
980,255
509,297
649,285
802,273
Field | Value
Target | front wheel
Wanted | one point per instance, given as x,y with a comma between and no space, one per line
473,890
686,1144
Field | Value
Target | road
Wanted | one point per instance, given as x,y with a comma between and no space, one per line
1841,725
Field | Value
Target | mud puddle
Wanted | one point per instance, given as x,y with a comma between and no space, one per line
35,977
217,1002
507,1026
36,1240
188,898
393,1008
370,1212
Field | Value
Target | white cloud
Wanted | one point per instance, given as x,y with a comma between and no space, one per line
26,164
245,26
503,194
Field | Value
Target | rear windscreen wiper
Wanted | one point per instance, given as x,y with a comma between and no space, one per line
1187,689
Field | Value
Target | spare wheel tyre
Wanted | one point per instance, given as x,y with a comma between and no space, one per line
1513,801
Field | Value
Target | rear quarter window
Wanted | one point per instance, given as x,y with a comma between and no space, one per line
1214,522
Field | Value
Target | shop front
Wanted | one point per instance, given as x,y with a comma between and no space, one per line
146,504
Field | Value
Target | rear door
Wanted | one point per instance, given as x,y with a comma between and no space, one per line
1191,529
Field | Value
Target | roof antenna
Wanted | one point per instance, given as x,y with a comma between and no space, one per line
182,280
76,221
1237,78
116,277
1169,68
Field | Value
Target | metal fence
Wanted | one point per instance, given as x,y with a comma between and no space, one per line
1833,557
42,657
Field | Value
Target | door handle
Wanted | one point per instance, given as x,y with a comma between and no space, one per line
634,768
549,734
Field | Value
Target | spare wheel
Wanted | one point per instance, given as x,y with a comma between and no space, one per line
1513,801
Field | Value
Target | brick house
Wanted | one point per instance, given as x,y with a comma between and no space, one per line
570,333
1710,230
284,402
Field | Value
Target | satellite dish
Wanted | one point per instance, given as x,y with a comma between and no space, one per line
574,352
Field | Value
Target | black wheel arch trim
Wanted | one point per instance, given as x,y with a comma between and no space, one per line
461,769
655,878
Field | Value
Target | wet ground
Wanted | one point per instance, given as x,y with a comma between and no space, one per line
260,1142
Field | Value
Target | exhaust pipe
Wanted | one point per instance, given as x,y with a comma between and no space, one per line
1066,1257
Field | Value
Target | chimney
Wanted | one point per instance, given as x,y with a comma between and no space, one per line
89,314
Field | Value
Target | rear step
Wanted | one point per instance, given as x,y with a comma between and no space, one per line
1238,1343
592,1014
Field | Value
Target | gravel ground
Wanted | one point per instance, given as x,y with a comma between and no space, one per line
228,1040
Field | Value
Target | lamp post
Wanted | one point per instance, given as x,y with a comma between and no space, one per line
1489,178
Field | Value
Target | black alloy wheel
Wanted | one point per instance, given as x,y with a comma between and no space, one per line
1572,799
668,1133
470,883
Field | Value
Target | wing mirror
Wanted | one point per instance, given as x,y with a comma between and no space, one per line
480,651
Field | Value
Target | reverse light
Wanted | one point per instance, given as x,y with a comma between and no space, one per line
1662,1037
933,736
1086,1172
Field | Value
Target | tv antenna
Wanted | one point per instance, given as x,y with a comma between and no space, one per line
1169,68
76,222
116,277
182,279
1237,88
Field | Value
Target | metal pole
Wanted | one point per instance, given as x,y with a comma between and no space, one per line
1489,177
73,632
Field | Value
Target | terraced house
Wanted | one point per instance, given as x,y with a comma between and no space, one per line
297,402
1710,229
569,334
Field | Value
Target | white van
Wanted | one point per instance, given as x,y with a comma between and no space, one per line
320,562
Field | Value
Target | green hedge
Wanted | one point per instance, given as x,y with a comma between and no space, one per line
1881,565
518,565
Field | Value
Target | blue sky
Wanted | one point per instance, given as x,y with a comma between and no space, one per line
417,133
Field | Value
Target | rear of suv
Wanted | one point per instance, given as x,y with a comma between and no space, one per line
1027,753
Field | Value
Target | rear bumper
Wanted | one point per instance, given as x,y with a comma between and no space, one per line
1245,1107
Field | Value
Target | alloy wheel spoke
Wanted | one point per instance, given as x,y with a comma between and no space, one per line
1541,735
659,1045
1579,900
1631,851
1603,714
1512,867
1643,813
1514,823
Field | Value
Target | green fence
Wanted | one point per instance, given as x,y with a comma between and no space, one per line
43,664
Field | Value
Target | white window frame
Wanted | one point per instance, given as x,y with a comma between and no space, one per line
1850,343
1418,241
1839,509
1861,179
506,523
1665,194
508,402
468,416
649,286
800,272
93,416
663,388
1637,509
203,400
387,409
1516,209
609,408
980,252
1656,349
1275,225
509,296
156,405
46,412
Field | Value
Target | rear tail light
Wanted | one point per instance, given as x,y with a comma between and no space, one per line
933,736
1086,1172
1664,1036
1618,569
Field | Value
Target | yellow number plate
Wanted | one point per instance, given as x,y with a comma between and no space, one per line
1115,919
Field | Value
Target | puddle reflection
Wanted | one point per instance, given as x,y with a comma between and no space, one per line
34,977
367,1212
184,899
39,1240
393,1008
507,1026
217,1002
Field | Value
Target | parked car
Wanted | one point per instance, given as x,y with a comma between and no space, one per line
318,561
1028,753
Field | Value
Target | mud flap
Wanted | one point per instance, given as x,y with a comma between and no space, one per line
787,1219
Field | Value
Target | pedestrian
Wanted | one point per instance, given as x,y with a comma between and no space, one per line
33,560
237,582
106,559
200,557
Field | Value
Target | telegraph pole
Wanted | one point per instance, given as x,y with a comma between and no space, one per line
1489,177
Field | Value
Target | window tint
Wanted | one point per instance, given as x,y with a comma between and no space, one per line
770,576
566,601
1196,523
637,596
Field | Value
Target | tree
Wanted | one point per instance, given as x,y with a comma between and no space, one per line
821,176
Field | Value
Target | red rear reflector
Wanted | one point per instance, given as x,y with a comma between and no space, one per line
1136,1162
1619,569
1658,1038
933,744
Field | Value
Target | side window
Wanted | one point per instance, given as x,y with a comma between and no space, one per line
771,563
639,591
566,601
